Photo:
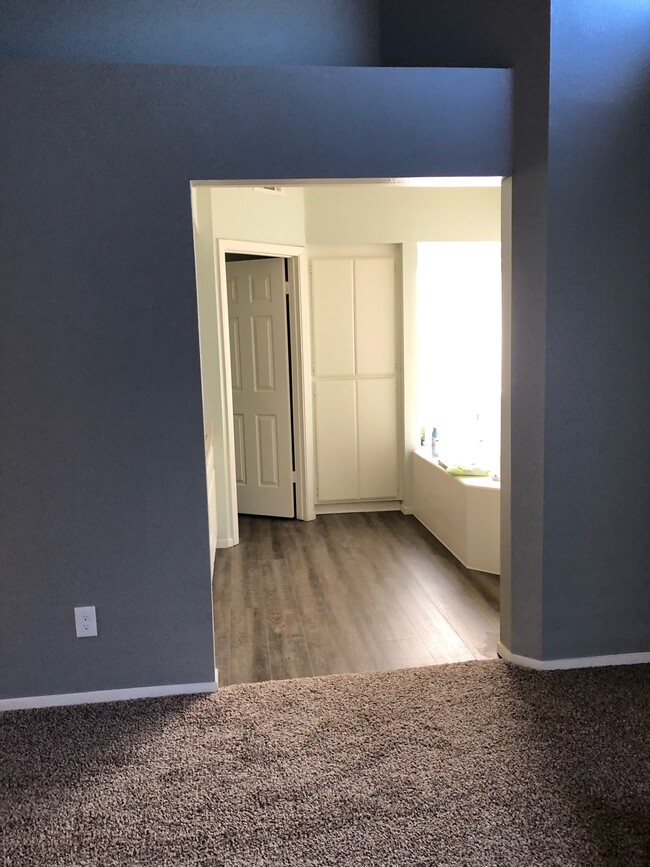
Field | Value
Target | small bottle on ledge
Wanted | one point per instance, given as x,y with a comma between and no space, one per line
434,442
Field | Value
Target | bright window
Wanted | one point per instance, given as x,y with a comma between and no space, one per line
459,349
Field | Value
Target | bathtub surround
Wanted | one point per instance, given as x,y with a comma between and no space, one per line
462,512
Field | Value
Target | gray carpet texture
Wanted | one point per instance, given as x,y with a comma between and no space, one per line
475,763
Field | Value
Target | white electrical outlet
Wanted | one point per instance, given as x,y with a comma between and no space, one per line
85,621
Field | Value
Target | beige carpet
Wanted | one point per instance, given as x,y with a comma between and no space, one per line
476,763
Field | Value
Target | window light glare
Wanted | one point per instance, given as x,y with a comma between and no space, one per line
459,348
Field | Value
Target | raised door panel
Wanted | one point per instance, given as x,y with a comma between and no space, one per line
375,316
377,415
263,361
333,317
266,436
336,440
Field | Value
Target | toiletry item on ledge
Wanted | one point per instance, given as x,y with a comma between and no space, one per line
434,442
467,471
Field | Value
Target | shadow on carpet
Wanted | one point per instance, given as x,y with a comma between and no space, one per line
476,763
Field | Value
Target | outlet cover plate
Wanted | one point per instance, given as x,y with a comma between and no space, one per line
85,621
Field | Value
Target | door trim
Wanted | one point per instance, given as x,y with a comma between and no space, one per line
299,322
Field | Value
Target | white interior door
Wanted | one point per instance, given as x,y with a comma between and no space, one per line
260,387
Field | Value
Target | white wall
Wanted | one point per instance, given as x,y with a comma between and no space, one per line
374,214
206,298
505,601
204,253
245,214
403,215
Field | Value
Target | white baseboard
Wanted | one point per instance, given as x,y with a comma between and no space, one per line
358,506
577,662
34,701
225,543
406,510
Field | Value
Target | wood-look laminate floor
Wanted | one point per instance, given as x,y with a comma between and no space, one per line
346,593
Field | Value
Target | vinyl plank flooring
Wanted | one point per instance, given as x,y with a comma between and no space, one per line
327,647
427,621
288,651
345,593
249,650
487,585
407,653
329,577
447,585
363,574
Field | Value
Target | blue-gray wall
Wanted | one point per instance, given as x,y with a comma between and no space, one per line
103,492
193,32
597,432
102,488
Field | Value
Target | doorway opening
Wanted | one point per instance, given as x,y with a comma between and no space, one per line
266,354
374,582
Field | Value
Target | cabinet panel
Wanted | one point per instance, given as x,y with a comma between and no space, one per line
333,317
336,440
377,414
375,315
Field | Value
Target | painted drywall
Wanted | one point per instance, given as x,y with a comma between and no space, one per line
395,214
204,254
597,493
210,32
505,581
103,497
247,214
205,263
403,215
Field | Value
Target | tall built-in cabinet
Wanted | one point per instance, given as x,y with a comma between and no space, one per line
356,373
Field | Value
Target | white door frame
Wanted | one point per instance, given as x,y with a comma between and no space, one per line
299,327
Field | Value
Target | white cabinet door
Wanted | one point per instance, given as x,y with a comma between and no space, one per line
354,328
333,316
374,291
336,435
377,431
259,358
